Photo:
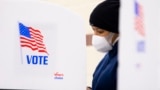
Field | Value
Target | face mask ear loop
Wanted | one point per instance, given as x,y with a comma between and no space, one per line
109,38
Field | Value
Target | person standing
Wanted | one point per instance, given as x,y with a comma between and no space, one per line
104,21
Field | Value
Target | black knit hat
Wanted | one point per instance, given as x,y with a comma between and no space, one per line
106,16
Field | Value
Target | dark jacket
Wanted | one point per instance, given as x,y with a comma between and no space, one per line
105,75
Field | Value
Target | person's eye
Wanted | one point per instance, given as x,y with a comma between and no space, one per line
100,32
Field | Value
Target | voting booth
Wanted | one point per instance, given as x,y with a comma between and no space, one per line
42,47
139,45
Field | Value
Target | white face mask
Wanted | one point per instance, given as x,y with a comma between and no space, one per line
102,44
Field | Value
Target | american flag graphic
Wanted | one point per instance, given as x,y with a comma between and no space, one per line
139,19
31,38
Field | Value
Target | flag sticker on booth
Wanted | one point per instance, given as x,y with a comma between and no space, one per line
139,26
139,19
33,49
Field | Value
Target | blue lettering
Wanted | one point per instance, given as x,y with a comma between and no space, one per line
58,77
45,60
34,60
37,60
29,59
40,59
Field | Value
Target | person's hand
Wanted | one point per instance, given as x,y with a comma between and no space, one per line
88,88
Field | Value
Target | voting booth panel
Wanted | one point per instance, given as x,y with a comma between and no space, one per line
158,44
138,56
42,46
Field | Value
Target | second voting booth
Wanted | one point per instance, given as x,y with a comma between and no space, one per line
139,45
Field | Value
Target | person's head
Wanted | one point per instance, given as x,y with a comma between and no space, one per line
104,21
